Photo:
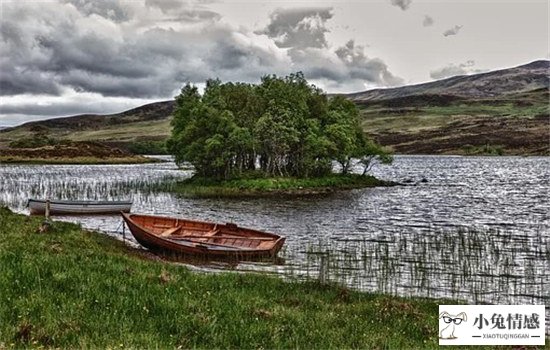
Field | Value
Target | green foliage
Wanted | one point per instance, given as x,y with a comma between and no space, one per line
70,289
37,140
485,150
256,184
148,147
282,126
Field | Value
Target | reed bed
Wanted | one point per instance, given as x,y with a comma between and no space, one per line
477,265
84,182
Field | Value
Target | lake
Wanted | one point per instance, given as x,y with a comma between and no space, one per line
477,228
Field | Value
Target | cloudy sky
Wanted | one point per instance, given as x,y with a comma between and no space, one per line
68,57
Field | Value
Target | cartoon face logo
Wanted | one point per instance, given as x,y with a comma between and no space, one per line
450,322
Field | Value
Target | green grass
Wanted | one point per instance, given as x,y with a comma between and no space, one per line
486,150
147,147
130,132
252,187
71,288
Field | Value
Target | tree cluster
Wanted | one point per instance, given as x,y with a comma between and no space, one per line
281,127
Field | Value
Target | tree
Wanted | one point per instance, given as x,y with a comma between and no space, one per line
372,153
281,127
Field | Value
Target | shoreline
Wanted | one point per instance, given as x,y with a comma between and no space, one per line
143,159
77,160
274,187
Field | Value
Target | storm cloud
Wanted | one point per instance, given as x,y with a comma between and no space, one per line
86,49
403,4
303,31
122,51
452,31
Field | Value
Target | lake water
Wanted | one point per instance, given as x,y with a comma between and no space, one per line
477,229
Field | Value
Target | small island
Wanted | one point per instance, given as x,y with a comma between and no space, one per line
282,136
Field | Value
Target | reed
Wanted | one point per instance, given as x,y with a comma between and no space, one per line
475,265
86,182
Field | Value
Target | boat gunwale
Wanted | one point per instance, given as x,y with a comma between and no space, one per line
261,233
75,203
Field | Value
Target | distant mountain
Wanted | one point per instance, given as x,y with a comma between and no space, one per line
149,112
528,77
506,110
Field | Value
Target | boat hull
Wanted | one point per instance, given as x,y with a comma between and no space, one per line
38,207
268,245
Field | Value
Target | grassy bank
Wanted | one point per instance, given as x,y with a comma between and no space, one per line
42,149
77,160
71,288
256,187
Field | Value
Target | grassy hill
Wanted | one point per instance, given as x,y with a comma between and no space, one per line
504,111
145,124
499,112
511,124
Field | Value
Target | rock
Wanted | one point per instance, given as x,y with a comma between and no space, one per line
44,227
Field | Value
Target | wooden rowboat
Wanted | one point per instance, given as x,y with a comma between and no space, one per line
187,237
38,207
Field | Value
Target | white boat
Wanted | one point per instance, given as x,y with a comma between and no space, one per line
38,207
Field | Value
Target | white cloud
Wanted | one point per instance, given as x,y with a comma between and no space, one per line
453,69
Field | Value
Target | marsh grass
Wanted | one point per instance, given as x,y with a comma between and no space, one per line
486,150
477,265
87,182
71,288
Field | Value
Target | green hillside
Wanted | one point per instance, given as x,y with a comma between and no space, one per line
512,124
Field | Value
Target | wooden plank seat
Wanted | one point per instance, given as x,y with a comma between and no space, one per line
170,231
188,237
211,233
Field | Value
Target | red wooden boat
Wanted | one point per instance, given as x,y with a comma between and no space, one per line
187,237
